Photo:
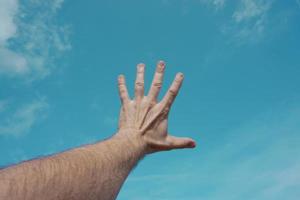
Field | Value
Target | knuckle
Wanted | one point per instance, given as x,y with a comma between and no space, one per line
165,111
139,84
122,91
158,84
152,103
169,102
121,82
173,92
140,70
178,80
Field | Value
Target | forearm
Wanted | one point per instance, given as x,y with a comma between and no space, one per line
97,172
91,172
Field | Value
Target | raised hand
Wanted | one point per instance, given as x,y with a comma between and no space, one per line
147,119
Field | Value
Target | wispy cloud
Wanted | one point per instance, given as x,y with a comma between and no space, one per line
8,9
30,40
218,4
251,9
249,21
10,61
251,18
22,119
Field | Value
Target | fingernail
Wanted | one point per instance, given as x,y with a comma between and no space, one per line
192,144
161,64
180,74
121,77
141,67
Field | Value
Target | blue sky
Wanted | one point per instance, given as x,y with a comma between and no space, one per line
59,61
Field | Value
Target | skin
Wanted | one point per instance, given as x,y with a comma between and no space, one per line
97,171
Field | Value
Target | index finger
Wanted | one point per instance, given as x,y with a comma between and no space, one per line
157,81
173,90
123,89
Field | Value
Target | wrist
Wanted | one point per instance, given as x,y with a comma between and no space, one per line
132,140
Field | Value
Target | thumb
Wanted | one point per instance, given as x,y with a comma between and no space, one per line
180,142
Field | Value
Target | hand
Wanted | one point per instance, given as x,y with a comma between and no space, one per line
147,118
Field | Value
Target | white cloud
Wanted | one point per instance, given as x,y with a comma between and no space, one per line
249,9
22,119
218,4
30,41
8,10
12,62
247,23
250,20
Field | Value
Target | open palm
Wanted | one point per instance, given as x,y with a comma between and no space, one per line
147,118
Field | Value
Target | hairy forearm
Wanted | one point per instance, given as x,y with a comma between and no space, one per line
97,171
90,172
